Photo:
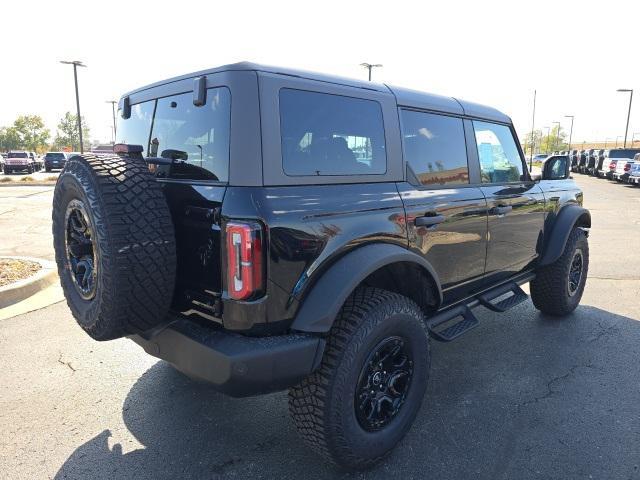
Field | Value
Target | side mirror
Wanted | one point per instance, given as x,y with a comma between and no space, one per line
556,168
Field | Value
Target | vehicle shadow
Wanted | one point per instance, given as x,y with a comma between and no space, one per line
524,396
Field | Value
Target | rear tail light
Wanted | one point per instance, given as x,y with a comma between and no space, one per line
627,167
245,260
612,165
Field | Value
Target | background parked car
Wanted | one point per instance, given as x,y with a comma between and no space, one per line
617,155
599,159
634,172
573,157
55,160
19,160
36,160
582,161
591,161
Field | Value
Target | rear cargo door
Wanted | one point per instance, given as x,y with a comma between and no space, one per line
196,139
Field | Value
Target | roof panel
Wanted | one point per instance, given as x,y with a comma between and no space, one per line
482,111
404,96
427,101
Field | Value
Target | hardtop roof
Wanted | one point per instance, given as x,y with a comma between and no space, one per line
404,97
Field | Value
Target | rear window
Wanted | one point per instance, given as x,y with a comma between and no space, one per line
54,156
200,134
18,155
173,127
623,153
325,134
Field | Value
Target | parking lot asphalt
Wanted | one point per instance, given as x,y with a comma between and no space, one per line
25,221
522,396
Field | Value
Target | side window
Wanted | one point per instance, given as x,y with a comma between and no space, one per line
434,147
326,134
500,160
135,129
198,137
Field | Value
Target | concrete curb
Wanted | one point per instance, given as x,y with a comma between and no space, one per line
18,291
27,184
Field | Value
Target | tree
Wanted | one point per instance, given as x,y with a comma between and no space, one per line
67,134
527,144
9,139
554,141
32,131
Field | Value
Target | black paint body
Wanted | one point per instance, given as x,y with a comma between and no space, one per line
490,232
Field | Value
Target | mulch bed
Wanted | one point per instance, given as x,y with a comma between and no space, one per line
12,270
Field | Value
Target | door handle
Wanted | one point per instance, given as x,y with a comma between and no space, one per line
502,209
429,221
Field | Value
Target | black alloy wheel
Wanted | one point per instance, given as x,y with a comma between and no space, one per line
383,384
81,254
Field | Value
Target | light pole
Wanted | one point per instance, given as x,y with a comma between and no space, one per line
555,143
533,141
370,66
626,130
548,137
113,111
633,135
76,64
570,131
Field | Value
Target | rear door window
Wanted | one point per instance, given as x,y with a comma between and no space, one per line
500,160
434,147
326,134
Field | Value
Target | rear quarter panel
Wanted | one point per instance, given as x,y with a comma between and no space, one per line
310,227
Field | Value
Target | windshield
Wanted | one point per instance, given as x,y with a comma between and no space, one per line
55,156
18,155
623,153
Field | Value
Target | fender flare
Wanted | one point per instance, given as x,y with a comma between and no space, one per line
565,221
331,290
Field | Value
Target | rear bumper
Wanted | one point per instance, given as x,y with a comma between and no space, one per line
236,365
635,180
51,164
621,177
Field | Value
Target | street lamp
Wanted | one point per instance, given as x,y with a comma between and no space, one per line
633,135
548,137
113,111
570,131
555,143
533,140
626,130
370,66
76,64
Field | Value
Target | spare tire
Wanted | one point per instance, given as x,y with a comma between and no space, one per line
115,245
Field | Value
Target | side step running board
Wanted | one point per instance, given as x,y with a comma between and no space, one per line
467,321
516,298
464,318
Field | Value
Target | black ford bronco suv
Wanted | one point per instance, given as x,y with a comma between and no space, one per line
265,229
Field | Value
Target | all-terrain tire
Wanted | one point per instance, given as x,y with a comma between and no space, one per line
322,405
133,243
550,290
